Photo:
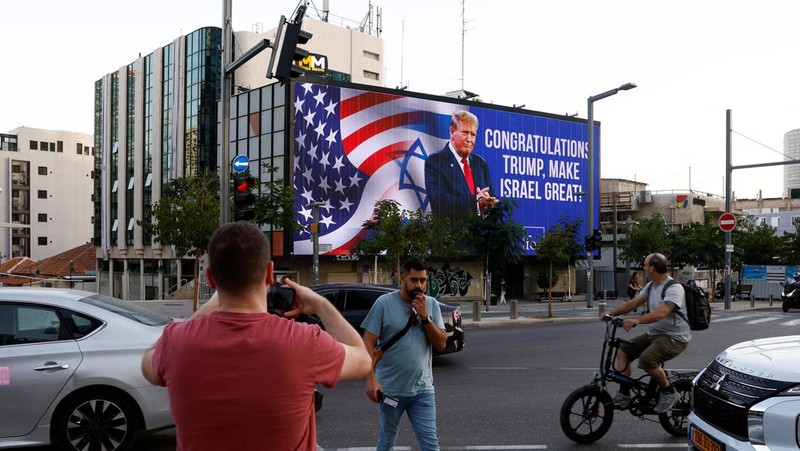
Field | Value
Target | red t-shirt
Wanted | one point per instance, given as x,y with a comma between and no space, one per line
243,381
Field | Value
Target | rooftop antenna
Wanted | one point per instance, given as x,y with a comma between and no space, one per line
463,32
326,8
402,46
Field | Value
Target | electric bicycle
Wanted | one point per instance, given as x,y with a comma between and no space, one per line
588,412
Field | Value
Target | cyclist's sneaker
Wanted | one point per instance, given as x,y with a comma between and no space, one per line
665,401
622,400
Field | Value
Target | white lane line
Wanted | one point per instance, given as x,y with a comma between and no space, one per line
498,368
793,322
491,447
762,320
653,445
732,318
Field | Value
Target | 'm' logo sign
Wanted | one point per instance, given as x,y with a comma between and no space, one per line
314,63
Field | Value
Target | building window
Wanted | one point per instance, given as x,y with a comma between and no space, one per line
34,145
42,170
60,146
52,147
42,217
80,149
41,194
371,75
371,55
42,241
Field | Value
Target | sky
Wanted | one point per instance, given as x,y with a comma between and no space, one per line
692,61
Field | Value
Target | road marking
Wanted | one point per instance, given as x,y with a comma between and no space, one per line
762,320
793,322
490,447
653,445
498,368
731,318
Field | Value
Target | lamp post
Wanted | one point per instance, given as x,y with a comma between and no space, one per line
590,213
315,241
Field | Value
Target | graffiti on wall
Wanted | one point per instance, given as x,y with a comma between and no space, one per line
448,281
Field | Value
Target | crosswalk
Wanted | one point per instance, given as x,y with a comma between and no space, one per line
778,319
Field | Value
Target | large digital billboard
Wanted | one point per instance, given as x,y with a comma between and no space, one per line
354,147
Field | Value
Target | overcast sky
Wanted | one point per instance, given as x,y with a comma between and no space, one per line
691,59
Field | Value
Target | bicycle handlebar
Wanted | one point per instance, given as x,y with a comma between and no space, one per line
615,320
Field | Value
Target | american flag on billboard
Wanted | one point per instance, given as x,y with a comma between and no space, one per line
353,148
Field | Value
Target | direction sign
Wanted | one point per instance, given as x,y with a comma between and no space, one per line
727,222
240,163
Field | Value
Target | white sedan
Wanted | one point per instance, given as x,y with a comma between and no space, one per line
70,370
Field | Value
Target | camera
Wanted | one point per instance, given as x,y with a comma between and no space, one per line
280,298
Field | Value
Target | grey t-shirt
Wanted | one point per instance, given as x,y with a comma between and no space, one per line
673,325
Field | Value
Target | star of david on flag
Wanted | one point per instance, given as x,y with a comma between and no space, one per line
353,148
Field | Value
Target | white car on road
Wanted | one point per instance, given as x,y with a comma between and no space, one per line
748,398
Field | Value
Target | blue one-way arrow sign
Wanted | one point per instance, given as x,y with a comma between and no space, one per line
240,163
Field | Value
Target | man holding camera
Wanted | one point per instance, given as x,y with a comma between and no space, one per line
239,377
402,380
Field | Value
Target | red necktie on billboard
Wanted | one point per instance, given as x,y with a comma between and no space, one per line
468,175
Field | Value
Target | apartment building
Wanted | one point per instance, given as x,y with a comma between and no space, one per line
46,188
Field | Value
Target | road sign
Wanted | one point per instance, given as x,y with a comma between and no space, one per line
240,163
729,248
727,222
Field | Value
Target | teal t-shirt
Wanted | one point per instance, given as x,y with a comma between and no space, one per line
405,368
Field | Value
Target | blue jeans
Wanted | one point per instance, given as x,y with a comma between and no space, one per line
421,410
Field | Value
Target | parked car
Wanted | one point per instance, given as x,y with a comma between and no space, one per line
355,299
70,370
748,398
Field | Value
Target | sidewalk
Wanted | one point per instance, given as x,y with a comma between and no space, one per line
528,312
532,312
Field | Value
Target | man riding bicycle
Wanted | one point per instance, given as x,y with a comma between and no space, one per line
666,338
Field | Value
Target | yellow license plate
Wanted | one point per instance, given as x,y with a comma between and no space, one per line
703,442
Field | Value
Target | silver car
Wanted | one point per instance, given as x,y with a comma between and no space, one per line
70,370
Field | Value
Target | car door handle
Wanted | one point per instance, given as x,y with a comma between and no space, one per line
51,366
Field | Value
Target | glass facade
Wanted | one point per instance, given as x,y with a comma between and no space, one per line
113,167
259,129
167,53
203,67
98,159
130,126
147,125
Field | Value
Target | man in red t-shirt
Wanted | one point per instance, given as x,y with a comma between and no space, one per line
239,377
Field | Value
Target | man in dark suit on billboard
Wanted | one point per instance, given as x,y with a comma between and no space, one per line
456,180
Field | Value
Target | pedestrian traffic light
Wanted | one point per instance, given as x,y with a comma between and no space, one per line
244,200
288,52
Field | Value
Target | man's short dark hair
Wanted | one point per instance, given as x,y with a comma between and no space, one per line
659,263
415,264
238,255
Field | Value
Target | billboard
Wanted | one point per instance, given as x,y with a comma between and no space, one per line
354,146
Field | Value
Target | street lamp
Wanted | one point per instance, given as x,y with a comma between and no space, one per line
590,215
315,241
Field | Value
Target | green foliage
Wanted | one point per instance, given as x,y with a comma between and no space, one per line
648,236
497,235
187,213
402,233
275,203
560,245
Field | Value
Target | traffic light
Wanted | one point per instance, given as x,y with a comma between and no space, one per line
597,240
288,52
244,200
587,243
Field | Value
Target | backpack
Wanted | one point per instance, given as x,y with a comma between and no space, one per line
698,309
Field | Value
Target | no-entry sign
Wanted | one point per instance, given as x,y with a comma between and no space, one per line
727,222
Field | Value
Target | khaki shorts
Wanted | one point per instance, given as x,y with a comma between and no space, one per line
653,351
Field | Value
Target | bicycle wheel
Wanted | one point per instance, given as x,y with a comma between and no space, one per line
587,414
674,420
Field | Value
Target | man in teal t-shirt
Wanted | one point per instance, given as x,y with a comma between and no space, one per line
402,381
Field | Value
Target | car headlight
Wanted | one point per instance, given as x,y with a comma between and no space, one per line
755,426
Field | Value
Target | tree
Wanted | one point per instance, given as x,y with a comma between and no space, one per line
401,233
275,203
648,236
185,217
496,236
558,246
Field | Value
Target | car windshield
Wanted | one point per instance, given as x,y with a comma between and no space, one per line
127,310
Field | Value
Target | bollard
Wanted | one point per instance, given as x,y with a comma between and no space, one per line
512,309
770,300
476,311
601,307
752,301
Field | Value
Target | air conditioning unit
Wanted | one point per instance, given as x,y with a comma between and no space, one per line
645,197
